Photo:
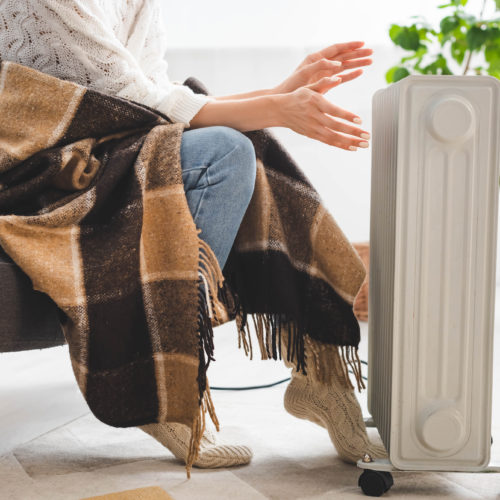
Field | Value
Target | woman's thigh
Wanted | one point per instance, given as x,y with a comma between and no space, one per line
218,171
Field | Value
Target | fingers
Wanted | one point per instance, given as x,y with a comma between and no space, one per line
345,141
330,52
322,67
339,140
353,54
325,84
346,77
333,132
356,63
348,60
325,67
338,48
325,106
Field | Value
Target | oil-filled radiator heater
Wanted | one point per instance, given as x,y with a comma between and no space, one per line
433,240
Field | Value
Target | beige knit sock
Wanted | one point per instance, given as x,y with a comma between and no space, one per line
214,452
331,405
336,409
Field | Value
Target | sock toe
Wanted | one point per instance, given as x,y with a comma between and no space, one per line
214,452
224,456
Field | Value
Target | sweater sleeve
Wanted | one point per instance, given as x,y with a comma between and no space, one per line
147,40
109,66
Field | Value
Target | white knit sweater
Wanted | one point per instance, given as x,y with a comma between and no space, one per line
114,46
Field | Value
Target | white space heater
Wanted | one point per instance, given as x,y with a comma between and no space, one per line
433,238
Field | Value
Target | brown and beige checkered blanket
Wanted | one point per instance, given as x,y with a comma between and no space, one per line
93,209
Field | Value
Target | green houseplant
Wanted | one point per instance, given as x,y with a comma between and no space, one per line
463,43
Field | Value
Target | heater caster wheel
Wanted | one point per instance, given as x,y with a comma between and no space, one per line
375,483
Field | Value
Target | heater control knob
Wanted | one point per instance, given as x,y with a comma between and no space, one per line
451,119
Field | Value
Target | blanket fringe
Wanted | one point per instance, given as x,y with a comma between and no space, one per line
212,277
198,428
276,333
280,337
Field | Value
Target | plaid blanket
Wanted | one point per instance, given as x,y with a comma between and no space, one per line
93,209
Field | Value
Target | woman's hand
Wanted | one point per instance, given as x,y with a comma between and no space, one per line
298,103
327,62
308,112
305,110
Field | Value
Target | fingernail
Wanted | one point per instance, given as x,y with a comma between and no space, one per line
363,144
335,78
357,120
365,135
353,148
336,63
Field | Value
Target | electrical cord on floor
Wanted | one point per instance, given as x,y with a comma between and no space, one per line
250,387
265,386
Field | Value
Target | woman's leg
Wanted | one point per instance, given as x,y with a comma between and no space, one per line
218,171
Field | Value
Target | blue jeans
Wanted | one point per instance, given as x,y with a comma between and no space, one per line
218,171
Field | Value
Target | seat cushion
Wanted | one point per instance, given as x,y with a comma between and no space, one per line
28,319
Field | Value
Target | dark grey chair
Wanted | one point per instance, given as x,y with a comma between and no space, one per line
28,319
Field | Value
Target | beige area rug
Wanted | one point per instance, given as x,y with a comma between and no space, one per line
293,459
151,493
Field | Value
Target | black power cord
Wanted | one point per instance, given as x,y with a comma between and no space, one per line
250,387
265,386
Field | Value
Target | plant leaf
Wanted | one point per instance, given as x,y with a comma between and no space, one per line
492,53
438,67
400,73
389,75
476,37
406,37
467,18
394,31
448,24
493,33
419,53
458,49
494,73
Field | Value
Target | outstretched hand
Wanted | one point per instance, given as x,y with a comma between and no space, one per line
327,62
299,103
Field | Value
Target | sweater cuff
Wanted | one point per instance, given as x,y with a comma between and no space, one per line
182,104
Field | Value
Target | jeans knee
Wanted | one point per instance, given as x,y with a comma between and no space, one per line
244,167
247,167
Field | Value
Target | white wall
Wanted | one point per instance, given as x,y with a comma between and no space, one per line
235,47
223,23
